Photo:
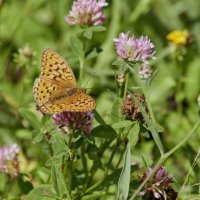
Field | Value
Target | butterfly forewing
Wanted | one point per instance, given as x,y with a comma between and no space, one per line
54,67
55,89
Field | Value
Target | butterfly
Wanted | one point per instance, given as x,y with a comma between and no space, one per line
55,90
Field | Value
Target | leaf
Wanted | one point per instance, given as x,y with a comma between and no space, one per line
58,181
114,177
92,151
158,127
98,117
58,142
93,196
24,134
78,143
116,113
147,160
46,125
104,132
122,124
30,116
89,138
57,159
133,135
37,136
24,185
92,54
124,179
118,62
88,33
45,119
98,28
77,46
42,192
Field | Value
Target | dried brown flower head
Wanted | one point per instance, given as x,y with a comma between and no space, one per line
131,110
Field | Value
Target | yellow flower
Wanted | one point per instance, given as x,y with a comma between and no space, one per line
179,37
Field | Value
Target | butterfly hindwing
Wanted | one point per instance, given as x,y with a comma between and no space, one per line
79,102
82,103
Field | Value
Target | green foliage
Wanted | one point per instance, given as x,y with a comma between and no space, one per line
104,132
58,181
43,192
124,179
105,163
88,32
30,117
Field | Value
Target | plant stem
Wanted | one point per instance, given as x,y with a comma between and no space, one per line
84,162
147,99
196,160
81,60
164,158
120,158
70,162
126,85
111,157
70,176
184,140
107,188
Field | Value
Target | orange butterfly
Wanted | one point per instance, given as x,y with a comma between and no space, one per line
55,90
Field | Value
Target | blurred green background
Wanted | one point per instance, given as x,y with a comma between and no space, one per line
27,27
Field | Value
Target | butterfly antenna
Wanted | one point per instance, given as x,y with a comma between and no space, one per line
89,79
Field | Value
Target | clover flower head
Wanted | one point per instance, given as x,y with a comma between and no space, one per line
131,111
75,120
121,79
134,49
9,162
158,186
145,71
86,12
26,51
